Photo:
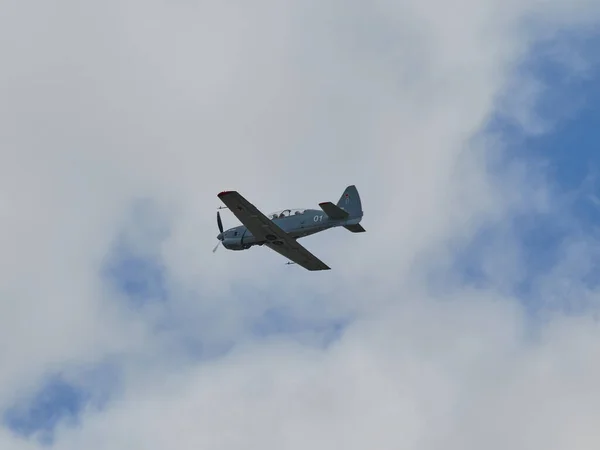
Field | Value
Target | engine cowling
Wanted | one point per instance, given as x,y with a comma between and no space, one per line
233,243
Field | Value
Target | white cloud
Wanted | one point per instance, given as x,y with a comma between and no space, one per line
288,102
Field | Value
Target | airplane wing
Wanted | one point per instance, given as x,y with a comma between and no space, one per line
263,228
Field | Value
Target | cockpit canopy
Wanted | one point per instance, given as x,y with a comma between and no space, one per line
285,213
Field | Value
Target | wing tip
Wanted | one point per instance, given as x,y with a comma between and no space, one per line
223,193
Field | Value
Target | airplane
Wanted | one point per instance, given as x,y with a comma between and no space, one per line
280,230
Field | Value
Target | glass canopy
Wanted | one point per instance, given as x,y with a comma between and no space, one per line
285,213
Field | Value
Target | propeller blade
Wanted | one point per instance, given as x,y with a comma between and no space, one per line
216,247
219,223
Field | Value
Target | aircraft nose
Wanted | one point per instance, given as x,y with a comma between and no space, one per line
220,236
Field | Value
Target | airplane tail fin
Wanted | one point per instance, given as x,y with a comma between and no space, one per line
350,202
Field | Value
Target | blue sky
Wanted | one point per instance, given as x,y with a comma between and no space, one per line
57,400
568,156
60,400
571,151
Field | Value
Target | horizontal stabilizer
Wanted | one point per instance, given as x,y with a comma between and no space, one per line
357,228
333,211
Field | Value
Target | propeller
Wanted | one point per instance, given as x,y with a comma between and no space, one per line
219,237
219,223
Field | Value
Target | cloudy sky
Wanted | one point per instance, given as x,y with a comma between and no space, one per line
465,318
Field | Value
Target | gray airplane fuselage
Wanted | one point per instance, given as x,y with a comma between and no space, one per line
299,223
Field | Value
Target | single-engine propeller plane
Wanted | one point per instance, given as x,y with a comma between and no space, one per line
280,230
